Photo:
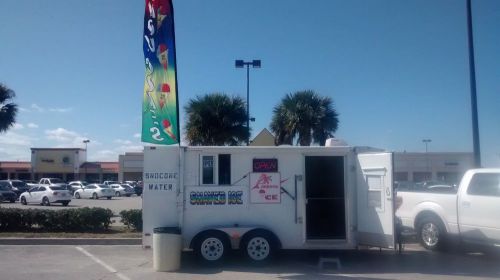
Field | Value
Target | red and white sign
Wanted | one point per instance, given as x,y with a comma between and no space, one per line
265,188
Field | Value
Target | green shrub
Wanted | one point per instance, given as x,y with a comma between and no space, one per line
132,219
68,220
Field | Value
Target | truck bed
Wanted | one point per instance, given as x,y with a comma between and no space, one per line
414,203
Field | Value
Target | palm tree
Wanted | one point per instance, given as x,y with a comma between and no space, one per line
216,120
8,110
306,116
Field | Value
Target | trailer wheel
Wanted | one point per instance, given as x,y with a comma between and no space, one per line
212,246
431,233
259,245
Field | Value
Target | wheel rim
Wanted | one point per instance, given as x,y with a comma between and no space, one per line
77,195
23,200
45,201
117,193
430,234
212,249
258,248
95,196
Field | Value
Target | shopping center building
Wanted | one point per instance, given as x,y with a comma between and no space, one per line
68,164
71,164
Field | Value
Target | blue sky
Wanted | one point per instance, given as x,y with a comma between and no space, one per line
396,70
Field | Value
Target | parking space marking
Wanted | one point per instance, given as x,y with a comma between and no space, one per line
105,265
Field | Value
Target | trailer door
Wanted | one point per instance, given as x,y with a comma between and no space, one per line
375,200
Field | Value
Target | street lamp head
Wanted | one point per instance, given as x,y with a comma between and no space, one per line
239,63
256,63
86,141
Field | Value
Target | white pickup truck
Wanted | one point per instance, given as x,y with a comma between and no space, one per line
471,213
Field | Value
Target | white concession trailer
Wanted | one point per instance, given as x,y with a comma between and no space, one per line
261,199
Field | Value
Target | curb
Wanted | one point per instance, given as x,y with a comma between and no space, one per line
70,241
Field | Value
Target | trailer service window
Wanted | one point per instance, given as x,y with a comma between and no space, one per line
210,166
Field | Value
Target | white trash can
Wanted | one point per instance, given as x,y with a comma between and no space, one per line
167,248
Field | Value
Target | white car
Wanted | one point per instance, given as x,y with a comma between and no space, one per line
94,191
122,189
76,185
46,195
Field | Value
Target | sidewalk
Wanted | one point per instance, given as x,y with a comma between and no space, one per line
70,241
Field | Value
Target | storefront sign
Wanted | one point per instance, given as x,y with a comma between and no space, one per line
265,188
265,165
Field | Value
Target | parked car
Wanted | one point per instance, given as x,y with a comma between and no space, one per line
122,189
138,189
46,195
110,182
54,182
7,195
440,212
94,191
31,183
76,185
16,186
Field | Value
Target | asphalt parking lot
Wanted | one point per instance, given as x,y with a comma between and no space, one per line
132,262
116,204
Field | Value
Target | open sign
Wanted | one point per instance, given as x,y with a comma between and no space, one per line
265,165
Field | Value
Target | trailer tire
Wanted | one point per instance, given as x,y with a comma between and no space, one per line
259,245
431,233
212,246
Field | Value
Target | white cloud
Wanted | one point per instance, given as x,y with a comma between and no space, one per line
105,155
61,135
17,126
123,142
61,110
137,135
112,154
66,138
32,125
15,139
37,108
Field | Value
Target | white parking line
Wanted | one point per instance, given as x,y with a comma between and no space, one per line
105,265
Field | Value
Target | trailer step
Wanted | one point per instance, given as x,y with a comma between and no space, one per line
335,261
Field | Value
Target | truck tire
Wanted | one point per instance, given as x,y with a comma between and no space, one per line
431,233
212,247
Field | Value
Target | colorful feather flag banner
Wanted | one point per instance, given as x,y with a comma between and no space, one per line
160,110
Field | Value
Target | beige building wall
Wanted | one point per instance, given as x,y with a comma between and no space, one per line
435,166
56,160
130,166
63,162
264,138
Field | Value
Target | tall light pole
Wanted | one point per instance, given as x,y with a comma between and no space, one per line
86,141
426,142
473,96
255,64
